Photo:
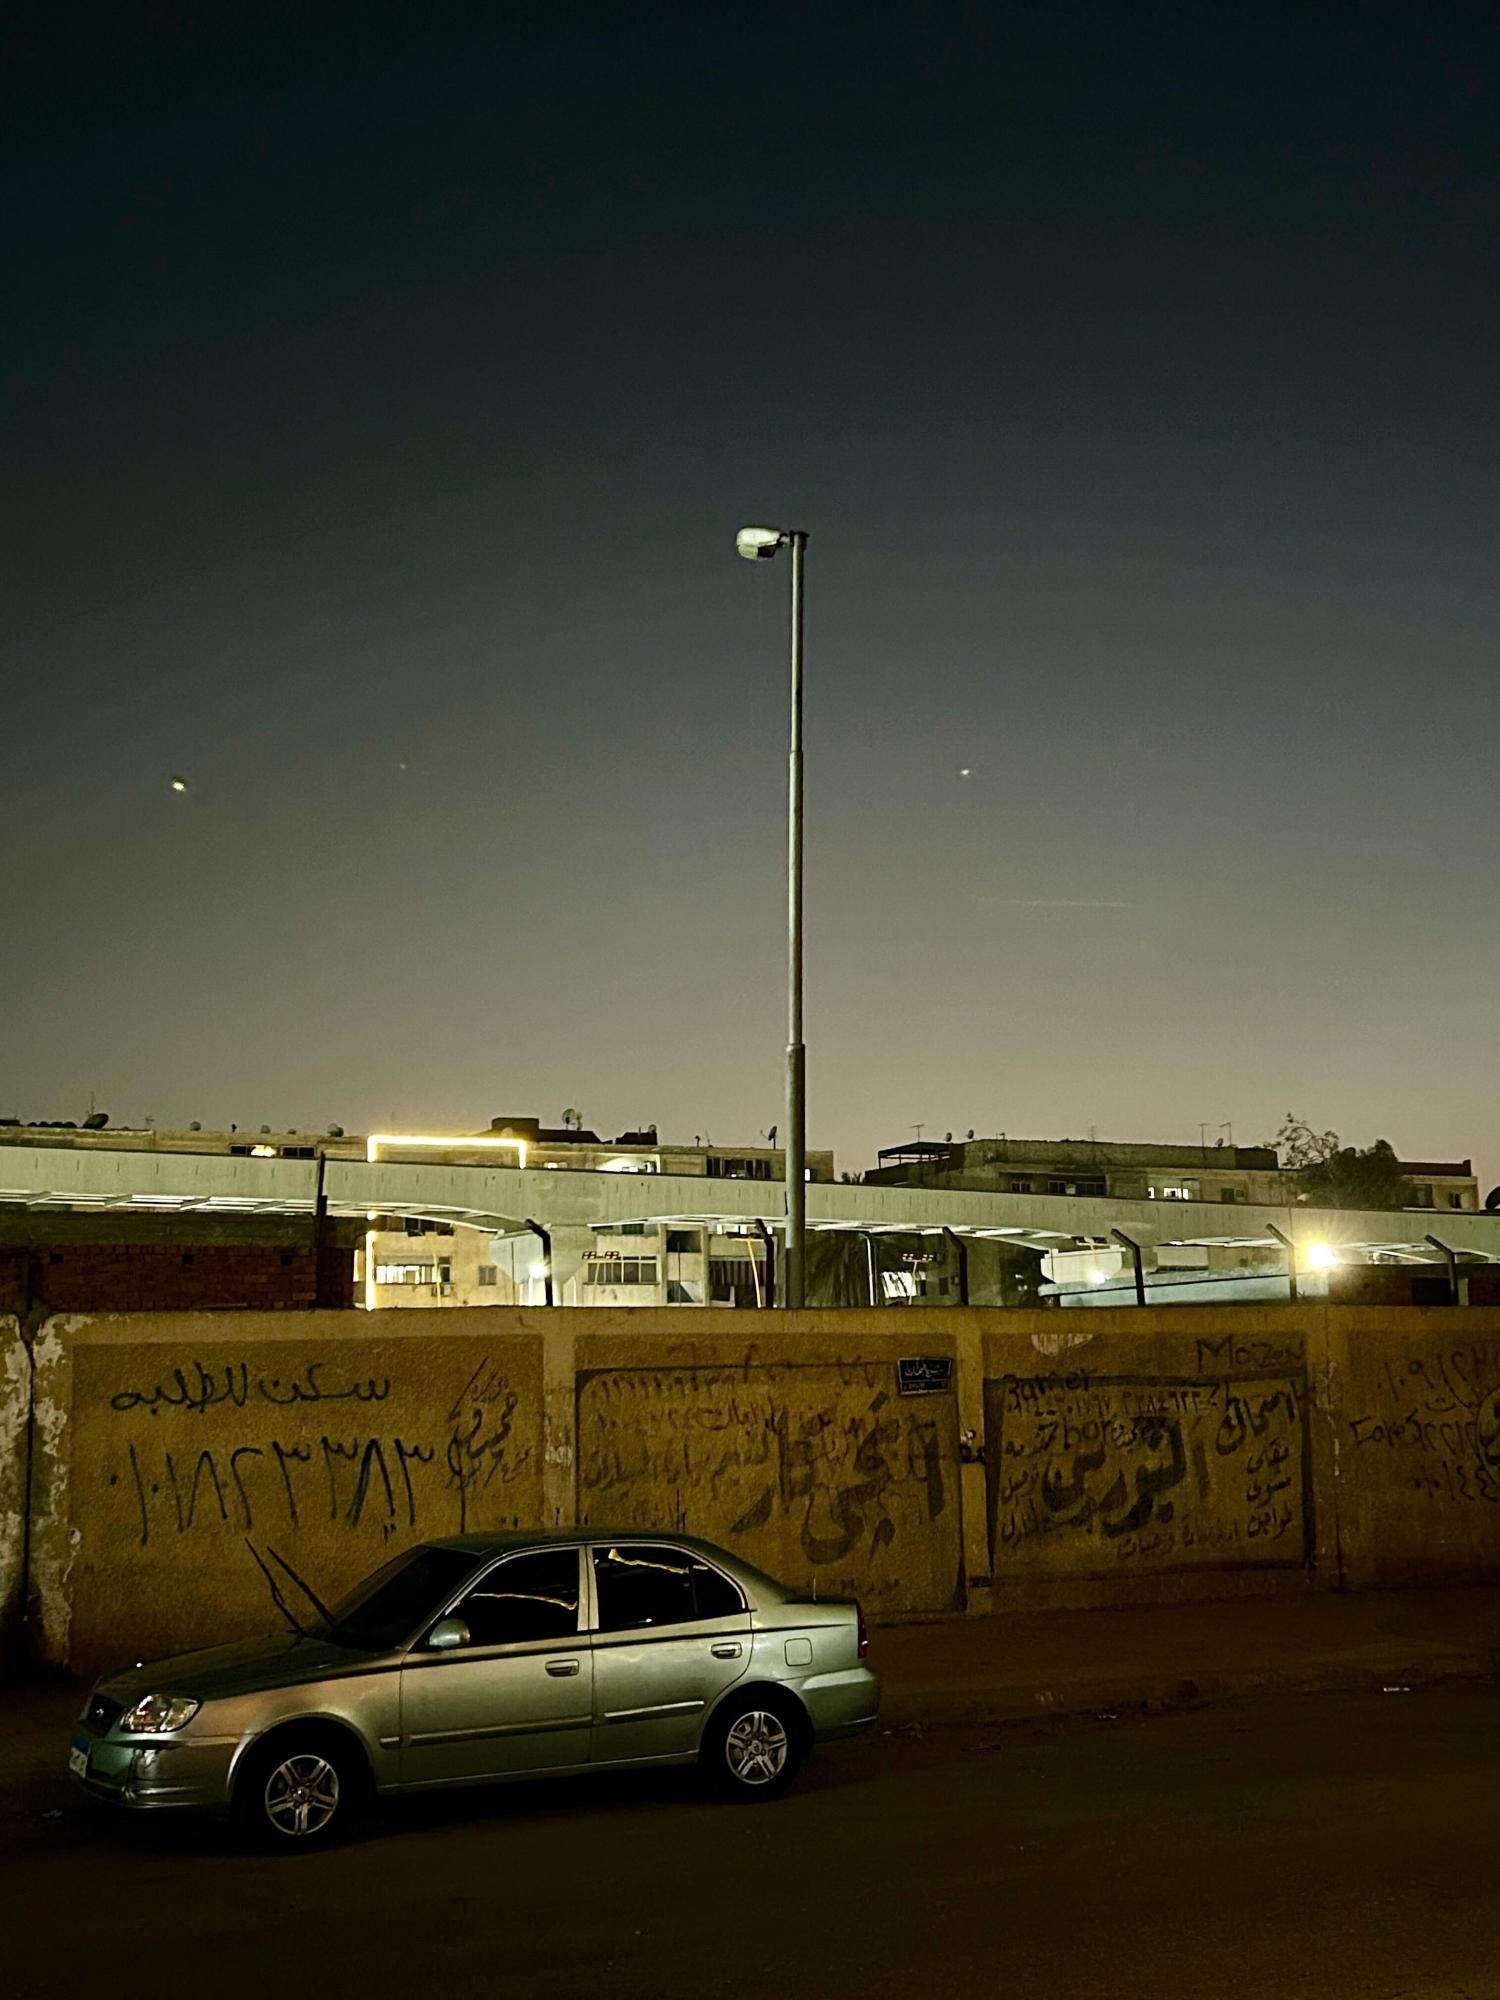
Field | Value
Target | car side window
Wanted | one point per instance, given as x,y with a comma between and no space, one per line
643,1585
531,1597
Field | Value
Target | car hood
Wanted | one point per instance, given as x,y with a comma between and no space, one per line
281,1660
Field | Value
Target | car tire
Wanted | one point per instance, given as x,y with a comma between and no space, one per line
753,1748
299,1791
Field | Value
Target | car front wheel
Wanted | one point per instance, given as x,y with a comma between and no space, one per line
298,1793
752,1749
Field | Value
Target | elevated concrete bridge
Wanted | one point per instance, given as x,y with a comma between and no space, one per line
570,1205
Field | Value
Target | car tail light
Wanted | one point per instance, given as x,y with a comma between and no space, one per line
864,1631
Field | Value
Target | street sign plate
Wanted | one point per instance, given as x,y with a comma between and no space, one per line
925,1374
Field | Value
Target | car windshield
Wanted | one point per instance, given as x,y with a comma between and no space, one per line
390,1605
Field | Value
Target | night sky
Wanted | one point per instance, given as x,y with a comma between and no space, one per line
383,388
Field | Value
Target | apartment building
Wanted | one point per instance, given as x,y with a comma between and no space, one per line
1139,1171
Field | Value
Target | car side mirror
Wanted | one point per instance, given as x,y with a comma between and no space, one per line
448,1633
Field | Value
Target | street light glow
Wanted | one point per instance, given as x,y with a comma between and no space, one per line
1320,1257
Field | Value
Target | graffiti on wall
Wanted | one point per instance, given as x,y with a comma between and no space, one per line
434,1475
207,1492
817,1472
1091,1474
1432,1420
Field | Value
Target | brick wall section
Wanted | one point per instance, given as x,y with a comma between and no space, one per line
173,1277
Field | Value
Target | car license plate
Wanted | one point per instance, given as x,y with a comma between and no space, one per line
78,1760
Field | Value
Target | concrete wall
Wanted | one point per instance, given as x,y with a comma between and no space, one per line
15,1404
189,1467
795,1448
1414,1409
182,1465
1153,1453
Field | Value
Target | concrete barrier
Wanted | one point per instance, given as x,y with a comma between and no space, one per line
199,1476
196,1477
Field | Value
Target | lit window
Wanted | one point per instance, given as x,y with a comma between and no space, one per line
603,1269
406,1273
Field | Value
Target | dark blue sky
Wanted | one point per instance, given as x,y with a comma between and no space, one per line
384,386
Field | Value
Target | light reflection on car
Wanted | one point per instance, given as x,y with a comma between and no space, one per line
484,1659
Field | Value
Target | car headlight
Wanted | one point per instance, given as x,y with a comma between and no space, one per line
158,1714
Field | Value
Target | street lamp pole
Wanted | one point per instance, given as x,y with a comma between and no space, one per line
796,1052
759,544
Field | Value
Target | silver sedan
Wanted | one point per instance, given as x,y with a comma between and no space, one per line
487,1658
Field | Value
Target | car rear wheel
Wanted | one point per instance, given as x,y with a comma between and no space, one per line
752,1749
299,1792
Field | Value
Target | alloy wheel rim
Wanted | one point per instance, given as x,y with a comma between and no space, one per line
756,1748
302,1795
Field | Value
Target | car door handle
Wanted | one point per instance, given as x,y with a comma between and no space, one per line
726,1649
560,1669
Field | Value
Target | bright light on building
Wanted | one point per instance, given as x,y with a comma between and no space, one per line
1319,1257
444,1141
262,1152
1098,1277
538,1270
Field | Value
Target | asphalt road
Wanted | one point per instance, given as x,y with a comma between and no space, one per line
1319,1845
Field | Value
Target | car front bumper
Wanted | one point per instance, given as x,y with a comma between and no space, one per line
175,1772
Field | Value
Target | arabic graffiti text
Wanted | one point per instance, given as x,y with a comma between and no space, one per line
1095,1475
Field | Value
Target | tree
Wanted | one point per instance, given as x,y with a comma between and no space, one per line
1332,1175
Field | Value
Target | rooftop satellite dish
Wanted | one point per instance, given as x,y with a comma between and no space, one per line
96,1121
196,1125
1492,1200
335,1131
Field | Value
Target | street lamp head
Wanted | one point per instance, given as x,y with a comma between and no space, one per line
758,544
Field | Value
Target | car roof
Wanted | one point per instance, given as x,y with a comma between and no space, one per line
517,1538
499,1542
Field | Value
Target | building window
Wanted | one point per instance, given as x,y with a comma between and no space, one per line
1455,1201
725,1167
1171,1191
1085,1184
414,1274
487,1275
735,1281
684,1242
1231,1194
1022,1187
1421,1197
603,1269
